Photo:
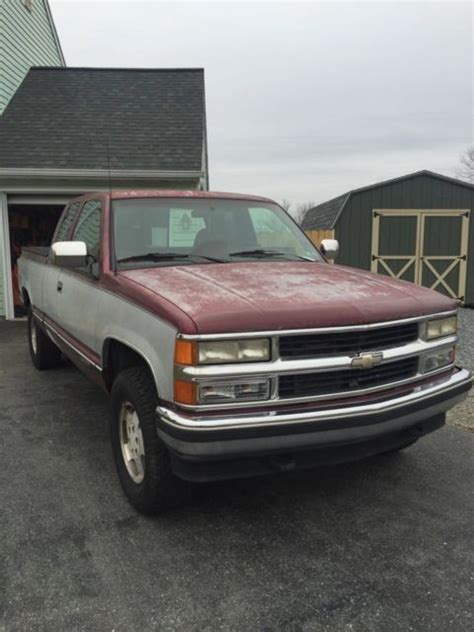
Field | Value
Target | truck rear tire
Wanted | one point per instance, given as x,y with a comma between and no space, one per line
44,353
142,460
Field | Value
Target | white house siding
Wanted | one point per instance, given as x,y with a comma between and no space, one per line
27,38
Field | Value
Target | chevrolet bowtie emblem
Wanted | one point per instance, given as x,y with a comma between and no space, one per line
367,360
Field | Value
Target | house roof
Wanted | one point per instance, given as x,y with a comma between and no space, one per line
100,118
326,214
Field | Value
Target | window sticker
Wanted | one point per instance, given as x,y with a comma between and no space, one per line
183,228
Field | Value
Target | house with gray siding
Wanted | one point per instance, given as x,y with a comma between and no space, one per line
27,38
67,131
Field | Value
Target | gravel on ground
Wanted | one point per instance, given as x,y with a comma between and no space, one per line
463,414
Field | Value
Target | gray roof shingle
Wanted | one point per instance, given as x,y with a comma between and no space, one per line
323,215
151,119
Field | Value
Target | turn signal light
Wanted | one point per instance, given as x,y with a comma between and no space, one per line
185,352
185,392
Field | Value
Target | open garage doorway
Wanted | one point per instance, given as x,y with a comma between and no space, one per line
30,223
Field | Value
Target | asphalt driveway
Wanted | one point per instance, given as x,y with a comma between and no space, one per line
383,544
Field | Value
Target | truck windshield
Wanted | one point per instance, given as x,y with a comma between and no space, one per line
181,231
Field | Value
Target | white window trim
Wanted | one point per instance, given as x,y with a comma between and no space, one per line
7,273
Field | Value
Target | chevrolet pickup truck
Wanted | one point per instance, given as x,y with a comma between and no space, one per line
230,345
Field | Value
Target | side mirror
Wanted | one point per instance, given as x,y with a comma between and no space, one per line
329,248
69,254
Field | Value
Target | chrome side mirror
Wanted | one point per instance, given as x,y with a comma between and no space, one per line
69,254
329,248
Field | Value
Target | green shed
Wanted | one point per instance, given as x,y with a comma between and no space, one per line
416,228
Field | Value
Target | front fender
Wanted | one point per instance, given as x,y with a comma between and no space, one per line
145,333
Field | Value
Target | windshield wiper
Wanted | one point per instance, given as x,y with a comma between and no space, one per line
166,256
207,258
153,256
264,252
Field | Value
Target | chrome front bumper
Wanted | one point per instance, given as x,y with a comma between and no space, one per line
217,436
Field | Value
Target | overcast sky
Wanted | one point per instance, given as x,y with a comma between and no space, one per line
305,100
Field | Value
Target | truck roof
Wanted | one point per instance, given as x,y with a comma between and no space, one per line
168,193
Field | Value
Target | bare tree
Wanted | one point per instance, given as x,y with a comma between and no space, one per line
300,212
465,171
286,205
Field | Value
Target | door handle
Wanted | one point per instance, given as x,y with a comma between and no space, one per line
59,286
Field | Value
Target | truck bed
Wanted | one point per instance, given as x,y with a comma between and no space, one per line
36,251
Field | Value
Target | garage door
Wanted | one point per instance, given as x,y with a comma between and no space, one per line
425,247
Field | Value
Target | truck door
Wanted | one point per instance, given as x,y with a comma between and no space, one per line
77,289
50,277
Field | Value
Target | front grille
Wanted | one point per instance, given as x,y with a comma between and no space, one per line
323,383
346,343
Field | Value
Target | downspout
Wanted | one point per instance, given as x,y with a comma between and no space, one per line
205,155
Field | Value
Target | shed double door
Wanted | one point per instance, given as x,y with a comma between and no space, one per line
425,247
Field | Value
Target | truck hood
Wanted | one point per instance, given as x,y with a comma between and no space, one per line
271,295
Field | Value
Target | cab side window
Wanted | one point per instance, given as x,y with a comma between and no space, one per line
88,230
67,220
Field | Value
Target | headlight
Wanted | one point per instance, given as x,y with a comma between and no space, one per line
222,392
437,359
189,352
441,327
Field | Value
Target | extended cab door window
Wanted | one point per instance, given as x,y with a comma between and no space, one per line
88,230
51,272
66,222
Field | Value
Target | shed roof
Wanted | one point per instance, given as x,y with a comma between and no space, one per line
326,214
101,118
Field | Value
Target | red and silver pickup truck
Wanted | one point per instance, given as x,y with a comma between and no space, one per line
229,343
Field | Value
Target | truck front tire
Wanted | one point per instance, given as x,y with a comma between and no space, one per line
142,460
44,353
